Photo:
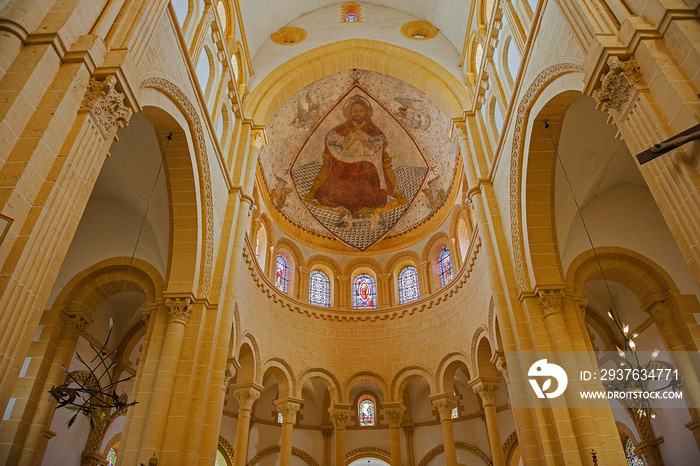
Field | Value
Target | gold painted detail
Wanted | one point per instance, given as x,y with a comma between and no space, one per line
106,106
181,100
290,35
419,30
516,156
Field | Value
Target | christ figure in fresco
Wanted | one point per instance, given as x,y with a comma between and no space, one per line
356,172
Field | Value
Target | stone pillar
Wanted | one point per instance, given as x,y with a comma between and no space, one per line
444,404
408,432
394,412
423,278
33,450
289,407
343,291
384,289
246,395
179,309
486,390
339,416
327,432
303,281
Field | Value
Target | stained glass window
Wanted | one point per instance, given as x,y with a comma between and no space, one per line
279,418
281,273
445,266
408,285
351,17
364,292
632,458
366,413
455,413
319,289
111,457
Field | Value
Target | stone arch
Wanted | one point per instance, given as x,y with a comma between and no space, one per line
195,199
646,279
444,376
430,255
363,262
367,452
404,376
482,353
409,66
329,380
283,373
269,230
459,445
308,459
562,73
226,450
366,376
249,361
331,268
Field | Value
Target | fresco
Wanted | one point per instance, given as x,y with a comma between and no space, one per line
358,156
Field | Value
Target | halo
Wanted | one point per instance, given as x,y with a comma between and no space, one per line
357,99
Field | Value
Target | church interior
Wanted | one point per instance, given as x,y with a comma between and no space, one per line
315,233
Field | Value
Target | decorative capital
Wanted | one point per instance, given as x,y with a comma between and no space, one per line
444,404
339,415
73,327
289,407
619,85
486,389
394,411
246,395
106,106
230,372
499,360
408,430
459,130
179,309
257,139
550,300
327,431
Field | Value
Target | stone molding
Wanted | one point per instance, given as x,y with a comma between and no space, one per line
660,311
619,86
339,415
510,442
516,156
231,370
444,404
299,453
394,411
486,389
459,445
288,407
200,144
227,447
73,327
179,309
327,432
367,451
550,300
106,106
247,395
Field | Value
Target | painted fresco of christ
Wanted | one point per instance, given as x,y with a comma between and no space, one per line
356,172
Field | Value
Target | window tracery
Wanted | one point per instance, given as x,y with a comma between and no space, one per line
364,292
408,285
319,289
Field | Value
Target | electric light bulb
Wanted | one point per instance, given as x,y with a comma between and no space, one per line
620,352
626,329
632,345
655,354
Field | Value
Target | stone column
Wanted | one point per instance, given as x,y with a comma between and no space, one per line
339,416
343,291
444,404
327,432
289,407
394,412
33,450
179,309
384,290
408,432
486,390
423,278
246,395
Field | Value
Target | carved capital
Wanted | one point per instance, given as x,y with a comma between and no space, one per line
257,139
288,407
230,372
499,360
73,327
486,390
327,432
394,411
444,404
246,395
179,309
459,131
106,106
619,85
408,430
550,300
339,415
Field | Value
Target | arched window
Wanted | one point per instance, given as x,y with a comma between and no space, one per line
223,18
477,58
111,457
445,266
364,292
319,289
281,273
632,458
279,418
350,12
261,246
366,412
408,285
455,413
463,237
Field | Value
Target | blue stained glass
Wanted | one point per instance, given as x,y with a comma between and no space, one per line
319,289
632,458
455,413
408,285
111,457
366,413
351,17
445,266
281,273
364,292
279,418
